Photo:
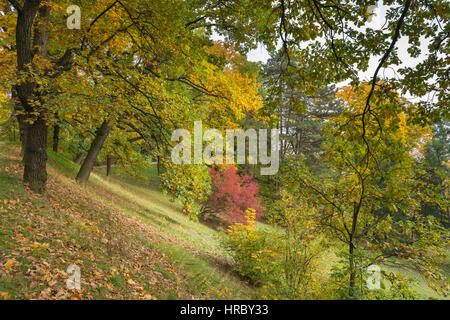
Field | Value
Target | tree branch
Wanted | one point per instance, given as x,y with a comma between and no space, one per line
16,5
367,108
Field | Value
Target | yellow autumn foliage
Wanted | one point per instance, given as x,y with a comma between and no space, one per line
249,250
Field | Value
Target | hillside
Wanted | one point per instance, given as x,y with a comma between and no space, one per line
129,241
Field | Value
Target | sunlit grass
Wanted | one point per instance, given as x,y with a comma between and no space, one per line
193,247
161,211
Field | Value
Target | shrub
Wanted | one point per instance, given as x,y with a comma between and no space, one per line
299,250
232,194
248,248
284,267
190,184
393,286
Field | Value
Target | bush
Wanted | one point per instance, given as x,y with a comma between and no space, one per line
300,274
393,286
232,194
190,184
248,248
286,261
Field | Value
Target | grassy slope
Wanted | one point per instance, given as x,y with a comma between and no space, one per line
129,241
177,258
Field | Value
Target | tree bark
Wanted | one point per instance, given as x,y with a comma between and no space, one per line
351,243
56,130
79,158
89,162
35,134
35,158
108,165
351,258
158,166
23,126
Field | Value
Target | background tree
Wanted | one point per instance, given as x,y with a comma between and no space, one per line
362,196
437,172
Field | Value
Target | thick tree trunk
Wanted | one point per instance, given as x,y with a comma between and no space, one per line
108,165
88,163
34,137
56,130
35,157
29,43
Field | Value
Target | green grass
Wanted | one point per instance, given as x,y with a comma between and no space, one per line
193,249
419,284
191,246
162,212
150,204
192,269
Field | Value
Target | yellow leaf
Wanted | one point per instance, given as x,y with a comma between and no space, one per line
76,297
9,264
148,296
4,295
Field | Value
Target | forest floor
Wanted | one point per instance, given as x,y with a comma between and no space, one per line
129,240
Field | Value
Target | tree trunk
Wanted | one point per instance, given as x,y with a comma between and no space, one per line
79,158
56,130
23,126
158,166
351,244
35,136
22,123
81,154
88,163
35,157
108,165
351,258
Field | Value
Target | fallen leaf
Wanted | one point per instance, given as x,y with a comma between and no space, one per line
4,295
9,264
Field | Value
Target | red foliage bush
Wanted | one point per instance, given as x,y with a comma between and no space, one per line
232,194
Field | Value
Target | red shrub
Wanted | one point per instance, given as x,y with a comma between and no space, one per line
232,194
